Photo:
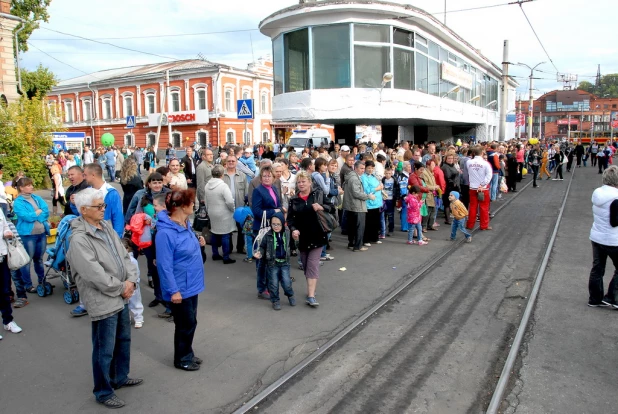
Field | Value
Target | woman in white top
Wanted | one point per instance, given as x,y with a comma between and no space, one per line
58,189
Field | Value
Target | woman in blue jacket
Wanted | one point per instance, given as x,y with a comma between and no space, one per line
372,185
267,199
181,272
32,225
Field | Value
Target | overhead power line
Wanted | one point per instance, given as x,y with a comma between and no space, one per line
58,60
537,36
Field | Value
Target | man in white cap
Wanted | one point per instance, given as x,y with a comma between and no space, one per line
343,153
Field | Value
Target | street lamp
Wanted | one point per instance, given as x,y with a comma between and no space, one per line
386,78
475,99
530,105
453,90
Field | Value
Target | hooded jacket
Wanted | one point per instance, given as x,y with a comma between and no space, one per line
602,231
354,196
220,205
99,279
179,259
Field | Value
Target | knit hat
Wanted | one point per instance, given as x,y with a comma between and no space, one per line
455,194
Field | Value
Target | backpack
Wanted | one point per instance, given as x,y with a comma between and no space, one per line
139,226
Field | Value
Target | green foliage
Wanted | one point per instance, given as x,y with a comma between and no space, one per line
37,83
33,11
24,138
608,88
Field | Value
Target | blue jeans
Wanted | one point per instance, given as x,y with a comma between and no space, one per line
35,246
419,231
223,240
111,353
404,218
20,288
387,214
459,225
493,190
111,170
279,272
260,268
249,245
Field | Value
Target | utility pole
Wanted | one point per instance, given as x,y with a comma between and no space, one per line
519,112
445,12
169,109
540,125
530,109
156,146
505,92
569,128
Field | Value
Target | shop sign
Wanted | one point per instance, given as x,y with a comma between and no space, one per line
567,122
457,76
180,118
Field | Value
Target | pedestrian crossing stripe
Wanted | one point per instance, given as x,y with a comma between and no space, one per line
244,110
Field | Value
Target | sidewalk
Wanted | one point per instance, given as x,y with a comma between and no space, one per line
569,363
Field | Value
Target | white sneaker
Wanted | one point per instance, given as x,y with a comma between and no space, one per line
12,326
139,325
0,336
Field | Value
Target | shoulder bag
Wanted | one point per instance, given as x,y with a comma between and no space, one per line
264,228
17,256
328,221
201,223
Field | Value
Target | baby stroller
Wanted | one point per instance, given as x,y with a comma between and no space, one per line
56,261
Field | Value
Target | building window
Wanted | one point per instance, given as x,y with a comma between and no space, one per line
296,60
151,104
87,110
200,99
246,137
228,101
246,94
370,65
128,105
107,108
202,139
433,77
331,57
401,37
264,103
229,138
68,111
176,139
175,95
278,66
403,76
151,139
265,137
371,33
422,75
128,140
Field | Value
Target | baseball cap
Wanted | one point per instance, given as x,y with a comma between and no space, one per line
345,148
248,150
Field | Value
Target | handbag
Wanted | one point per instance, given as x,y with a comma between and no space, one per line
328,222
480,195
201,224
17,256
264,228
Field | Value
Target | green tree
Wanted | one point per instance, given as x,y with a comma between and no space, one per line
25,138
37,83
34,12
608,88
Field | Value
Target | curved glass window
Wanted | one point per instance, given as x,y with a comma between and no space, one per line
372,33
331,56
296,60
422,76
278,68
403,73
370,65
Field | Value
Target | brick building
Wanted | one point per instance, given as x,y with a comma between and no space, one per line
201,106
582,112
8,83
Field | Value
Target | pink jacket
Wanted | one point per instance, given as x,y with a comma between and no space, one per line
414,209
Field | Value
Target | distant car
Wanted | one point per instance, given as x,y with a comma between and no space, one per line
305,138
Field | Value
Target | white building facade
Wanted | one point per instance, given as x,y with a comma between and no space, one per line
380,63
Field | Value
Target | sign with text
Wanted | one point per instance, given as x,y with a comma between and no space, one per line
566,121
180,118
457,76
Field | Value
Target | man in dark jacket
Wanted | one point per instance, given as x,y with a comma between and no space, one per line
189,168
78,183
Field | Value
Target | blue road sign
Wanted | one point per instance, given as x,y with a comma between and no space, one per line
131,121
245,108
60,135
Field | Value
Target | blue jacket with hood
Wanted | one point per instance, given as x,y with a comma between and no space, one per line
179,260
113,211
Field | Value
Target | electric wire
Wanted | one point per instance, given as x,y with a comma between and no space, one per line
58,60
537,36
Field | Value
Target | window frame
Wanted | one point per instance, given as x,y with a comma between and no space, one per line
69,115
230,133
197,89
104,100
229,105
154,139
87,115
175,92
128,96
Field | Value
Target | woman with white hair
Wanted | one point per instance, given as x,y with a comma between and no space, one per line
220,205
604,238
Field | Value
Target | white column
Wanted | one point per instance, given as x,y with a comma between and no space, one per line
117,100
161,94
77,108
96,104
138,96
187,106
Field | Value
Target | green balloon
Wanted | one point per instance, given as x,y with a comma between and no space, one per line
107,139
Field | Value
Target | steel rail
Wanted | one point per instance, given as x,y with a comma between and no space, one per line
264,394
498,395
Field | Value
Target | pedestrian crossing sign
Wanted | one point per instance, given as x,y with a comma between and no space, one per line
131,121
245,108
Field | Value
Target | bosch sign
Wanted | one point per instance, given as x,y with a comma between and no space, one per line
187,117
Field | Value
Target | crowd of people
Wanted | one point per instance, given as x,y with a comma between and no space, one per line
282,205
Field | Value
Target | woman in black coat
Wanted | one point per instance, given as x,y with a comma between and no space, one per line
512,168
130,181
451,176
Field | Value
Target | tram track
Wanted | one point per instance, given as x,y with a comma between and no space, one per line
463,307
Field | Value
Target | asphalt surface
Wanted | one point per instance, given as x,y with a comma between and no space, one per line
440,346
244,343
570,358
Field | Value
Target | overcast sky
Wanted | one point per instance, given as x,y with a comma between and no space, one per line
577,34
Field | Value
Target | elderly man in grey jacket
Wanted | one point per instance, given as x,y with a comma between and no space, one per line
354,198
106,279
237,181
204,173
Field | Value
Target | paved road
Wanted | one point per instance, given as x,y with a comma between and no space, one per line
440,347
244,343
570,361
